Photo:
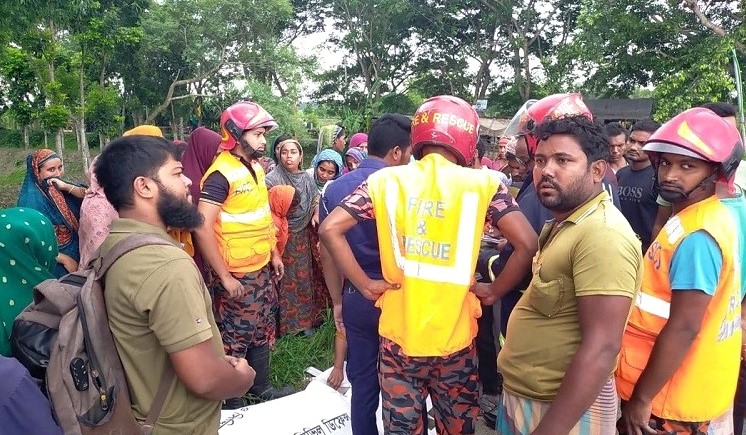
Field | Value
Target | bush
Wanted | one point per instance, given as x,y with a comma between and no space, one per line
10,138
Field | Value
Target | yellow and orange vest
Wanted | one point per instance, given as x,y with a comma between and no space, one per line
244,228
430,216
703,386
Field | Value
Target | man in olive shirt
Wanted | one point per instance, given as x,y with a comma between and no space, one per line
158,307
565,332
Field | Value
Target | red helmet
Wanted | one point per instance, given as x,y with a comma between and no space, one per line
449,122
240,117
534,112
702,134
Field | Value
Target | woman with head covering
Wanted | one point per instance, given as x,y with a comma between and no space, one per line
359,140
28,251
45,191
201,151
353,158
332,137
296,290
326,166
96,216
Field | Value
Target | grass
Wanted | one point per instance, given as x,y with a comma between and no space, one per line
293,354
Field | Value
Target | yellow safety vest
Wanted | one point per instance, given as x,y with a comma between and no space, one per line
244,228
703,386
430,216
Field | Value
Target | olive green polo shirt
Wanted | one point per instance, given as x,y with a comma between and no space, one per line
157,304
592,252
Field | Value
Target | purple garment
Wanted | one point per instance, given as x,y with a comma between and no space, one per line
203,145
23,409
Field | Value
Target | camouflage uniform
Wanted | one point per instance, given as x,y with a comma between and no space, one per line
450,381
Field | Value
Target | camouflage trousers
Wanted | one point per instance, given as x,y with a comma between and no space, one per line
450,381
249,321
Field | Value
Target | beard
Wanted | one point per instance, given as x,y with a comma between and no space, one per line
177,212
563,200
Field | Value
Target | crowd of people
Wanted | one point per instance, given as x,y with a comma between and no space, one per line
614,252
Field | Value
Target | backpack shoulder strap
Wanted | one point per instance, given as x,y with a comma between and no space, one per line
159,400
102,264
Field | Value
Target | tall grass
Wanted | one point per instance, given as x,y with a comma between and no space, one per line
292,354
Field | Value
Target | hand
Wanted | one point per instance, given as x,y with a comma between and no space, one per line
278,268
67,262
242,366
338,322
335,378
59,184
636,417
484,292
233,286
315,218
374,288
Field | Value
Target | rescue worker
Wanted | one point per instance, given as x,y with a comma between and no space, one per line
429,226
238,243
680,351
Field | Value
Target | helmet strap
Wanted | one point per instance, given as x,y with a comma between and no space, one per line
675,197
251,153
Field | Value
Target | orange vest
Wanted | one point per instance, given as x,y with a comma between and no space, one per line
244,228
703,386
430,216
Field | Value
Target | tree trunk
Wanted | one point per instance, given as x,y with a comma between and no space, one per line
59,142
46,141
25,137
83,141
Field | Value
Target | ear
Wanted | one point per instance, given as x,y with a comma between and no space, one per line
396,153
144,187
598,170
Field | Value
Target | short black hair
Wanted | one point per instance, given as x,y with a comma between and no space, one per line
615,129
481,148
591,136
723,110
646,125
127,158
388,131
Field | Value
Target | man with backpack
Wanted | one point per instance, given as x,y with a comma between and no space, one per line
158,306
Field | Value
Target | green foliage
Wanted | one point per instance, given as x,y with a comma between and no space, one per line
103,110
19,85
293,354
54,117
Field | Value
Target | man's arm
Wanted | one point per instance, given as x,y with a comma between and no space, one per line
332,231
602,321
518,232
206,240
210,375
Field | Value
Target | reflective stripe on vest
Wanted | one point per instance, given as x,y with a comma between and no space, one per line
461,272
653,305
245,218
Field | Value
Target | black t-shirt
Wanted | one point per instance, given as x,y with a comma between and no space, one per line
637,194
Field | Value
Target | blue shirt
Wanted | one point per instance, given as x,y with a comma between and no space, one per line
363,237
737,207
696,264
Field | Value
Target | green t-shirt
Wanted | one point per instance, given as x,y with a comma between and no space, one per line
593,252
157,304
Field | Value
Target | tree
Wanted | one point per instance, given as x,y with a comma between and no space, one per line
20,88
